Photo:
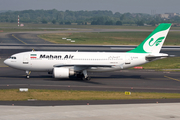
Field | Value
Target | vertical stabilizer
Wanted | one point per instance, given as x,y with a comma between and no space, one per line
154,42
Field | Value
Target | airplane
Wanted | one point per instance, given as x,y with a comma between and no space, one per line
65,64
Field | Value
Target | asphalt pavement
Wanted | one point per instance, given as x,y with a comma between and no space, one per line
125,80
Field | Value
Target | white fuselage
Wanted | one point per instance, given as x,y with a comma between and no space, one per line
46,61
65,64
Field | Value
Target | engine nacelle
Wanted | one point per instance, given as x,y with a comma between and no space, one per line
62,72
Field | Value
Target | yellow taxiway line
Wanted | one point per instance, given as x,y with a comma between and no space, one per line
19,39
172,78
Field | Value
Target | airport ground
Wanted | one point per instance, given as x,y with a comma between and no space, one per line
160,111
125,80
12,43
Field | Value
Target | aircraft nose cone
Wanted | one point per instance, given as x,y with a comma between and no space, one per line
6,62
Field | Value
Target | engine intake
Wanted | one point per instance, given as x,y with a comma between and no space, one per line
62,72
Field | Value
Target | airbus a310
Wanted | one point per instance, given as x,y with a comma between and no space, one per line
65,64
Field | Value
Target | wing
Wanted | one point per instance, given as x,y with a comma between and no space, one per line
80,67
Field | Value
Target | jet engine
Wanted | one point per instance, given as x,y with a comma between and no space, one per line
62,72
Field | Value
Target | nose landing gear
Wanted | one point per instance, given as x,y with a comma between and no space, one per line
27,74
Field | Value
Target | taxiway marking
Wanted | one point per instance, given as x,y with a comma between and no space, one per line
19,39
172,78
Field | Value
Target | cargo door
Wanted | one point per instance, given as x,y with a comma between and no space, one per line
128,59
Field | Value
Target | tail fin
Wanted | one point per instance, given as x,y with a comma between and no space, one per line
154,42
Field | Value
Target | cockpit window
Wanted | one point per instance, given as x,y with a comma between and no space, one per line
12,57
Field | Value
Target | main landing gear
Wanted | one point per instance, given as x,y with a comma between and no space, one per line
84,76
27,74
86,79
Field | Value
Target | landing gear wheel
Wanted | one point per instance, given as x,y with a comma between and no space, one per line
86,79
27,76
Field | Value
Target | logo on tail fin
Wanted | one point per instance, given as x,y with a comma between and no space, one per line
154,42
157,42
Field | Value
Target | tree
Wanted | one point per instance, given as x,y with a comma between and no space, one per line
118,23
140,23
117,14
61,23
100,20
122,17
54,21
93,23
153,23
68,23
44,21
80,23
109,22
96,17
12,21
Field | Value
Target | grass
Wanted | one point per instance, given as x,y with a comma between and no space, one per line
167,63
15,95
108,38
104,38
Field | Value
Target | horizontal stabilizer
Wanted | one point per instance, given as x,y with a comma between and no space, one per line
153,57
